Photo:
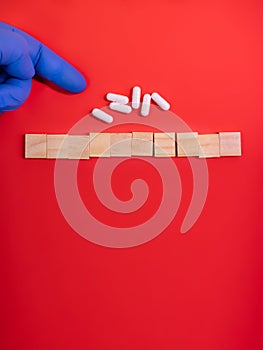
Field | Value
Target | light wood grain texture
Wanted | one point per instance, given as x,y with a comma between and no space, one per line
164,144
56,147
187,144
78,146
121,145
230,143
100,144
132,144
209,146
142,144
35,146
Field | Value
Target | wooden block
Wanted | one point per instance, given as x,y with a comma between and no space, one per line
209,146
164,144
35,146
100,144
121,144
57,146
78,147
142,144
187,144
230,143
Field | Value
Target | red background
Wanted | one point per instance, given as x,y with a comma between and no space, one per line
202,290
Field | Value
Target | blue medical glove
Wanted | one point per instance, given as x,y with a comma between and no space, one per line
22,57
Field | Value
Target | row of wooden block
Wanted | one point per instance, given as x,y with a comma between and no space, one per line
169,144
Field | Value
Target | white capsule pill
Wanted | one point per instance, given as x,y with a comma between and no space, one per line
136,97
119,107
146,102
162,103
117,98
105,117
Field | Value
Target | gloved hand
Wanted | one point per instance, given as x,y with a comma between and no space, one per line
21,57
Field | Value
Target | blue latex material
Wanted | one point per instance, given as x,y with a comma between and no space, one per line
21,58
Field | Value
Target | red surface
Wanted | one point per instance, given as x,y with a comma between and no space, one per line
202,290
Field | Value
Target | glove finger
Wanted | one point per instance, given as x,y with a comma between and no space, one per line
14,55
13,93
51,66
54,68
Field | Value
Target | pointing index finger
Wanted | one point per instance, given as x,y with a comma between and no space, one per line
51,66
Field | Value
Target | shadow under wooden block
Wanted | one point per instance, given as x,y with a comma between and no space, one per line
35,146
187,144
78,146
99,144
57,147
209,146
230,143
142,144
164,144
121,144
